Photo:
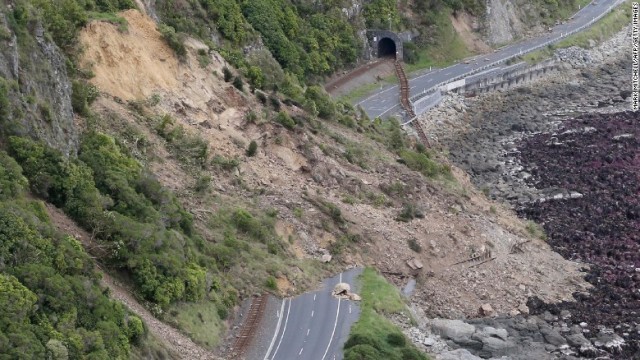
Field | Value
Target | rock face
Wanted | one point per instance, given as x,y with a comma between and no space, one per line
508,20
36,69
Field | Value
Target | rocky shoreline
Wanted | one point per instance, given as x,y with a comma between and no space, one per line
564,153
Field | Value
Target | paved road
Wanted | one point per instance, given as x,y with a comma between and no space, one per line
314,326
385,102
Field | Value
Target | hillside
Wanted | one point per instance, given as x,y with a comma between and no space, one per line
201,176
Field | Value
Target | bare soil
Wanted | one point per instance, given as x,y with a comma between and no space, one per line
370,73
293,170
466,26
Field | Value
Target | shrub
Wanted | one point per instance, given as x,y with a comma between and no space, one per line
83,94
414,245
223,313
256,77
410,53
325,106
423,163
224,163
251,117
271,283
203,183
275,102
409,353
363,339
408,212
362,352
238,84
12,183
285,120
261,97
253,147
4,99
228,75
173,39
396,339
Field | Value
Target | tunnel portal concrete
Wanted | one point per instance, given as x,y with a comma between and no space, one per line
385,43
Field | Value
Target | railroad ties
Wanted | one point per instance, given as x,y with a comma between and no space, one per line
406,104
258,304
477,260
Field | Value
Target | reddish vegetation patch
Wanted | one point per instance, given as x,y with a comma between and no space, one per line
599,157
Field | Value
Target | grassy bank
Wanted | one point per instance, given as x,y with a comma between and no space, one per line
366,89
602,30
373,336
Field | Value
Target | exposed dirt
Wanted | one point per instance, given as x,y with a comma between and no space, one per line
294,171
370,73
466,26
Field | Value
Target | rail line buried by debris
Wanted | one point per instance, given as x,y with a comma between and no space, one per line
254,315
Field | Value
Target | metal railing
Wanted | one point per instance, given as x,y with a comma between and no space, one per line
431,90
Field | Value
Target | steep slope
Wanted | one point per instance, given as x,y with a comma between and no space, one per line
180,345
333,190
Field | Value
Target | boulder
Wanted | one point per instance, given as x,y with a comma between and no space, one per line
552,336
326,258
489,331
610,341
414,264
486,310
459,354
455,330
496,347
341,289
578,340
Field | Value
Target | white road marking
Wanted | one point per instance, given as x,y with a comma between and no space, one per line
308,331
314,297
300,353
312,312
334,326
349,308
275,335
283,331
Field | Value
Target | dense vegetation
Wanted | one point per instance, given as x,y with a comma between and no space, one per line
52,305
141,226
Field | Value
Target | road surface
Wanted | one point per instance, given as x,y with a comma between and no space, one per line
314,326
385,102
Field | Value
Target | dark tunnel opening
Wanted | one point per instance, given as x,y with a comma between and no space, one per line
386,48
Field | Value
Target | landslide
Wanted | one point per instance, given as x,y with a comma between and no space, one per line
343,188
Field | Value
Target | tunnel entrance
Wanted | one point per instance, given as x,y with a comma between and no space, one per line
386,48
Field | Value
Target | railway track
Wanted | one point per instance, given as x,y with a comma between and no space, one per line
406,104
243,340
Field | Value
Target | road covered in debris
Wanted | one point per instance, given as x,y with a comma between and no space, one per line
315,325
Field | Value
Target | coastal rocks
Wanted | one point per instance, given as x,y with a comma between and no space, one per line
459,354
453,329
546,337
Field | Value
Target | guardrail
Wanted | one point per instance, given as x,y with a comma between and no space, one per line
436,87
